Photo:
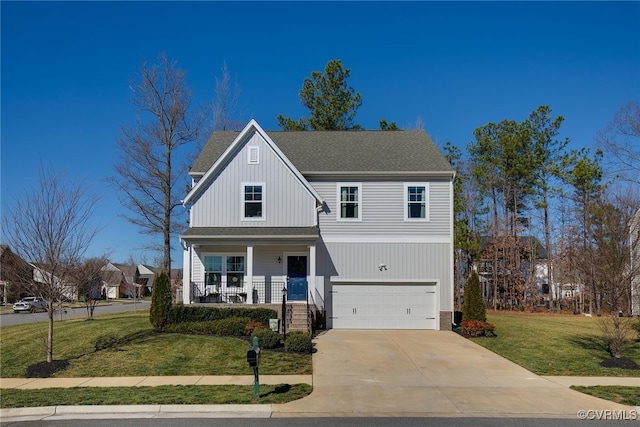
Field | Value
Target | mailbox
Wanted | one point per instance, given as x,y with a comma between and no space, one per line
253,356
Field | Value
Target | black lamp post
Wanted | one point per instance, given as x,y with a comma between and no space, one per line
284,312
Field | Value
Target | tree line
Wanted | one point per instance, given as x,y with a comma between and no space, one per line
527,205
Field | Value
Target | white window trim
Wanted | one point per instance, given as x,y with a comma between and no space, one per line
339,201
223,273
405,200
242,201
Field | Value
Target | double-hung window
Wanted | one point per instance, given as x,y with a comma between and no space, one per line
235,271
416,206
253,201
219,269
349,201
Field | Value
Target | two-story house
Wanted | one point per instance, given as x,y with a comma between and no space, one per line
356,223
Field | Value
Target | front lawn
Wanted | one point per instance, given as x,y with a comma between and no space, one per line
161,395
549,344
139,350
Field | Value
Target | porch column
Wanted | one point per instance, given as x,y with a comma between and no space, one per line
249,285
312,271
186,275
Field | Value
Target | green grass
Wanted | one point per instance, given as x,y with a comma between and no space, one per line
140,351
178,395
623,395
554,344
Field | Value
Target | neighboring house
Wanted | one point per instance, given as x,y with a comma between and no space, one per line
357,224
16,276
119,281
63,291
495,274
634,234
145,276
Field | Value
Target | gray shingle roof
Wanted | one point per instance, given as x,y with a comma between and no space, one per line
342,151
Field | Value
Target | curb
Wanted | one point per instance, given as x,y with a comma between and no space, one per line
121,411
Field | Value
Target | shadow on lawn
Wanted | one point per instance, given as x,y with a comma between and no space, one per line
102,342
281,389
594,344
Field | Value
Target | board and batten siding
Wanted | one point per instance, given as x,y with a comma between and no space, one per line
286,201
383,210
360,261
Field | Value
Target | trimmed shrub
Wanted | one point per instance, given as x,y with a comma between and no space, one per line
160,301
476,328
298,342
473,306
268,339
230,327
194,328
253,326
180,313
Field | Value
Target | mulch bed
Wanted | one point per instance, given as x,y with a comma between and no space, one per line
619,362
46,369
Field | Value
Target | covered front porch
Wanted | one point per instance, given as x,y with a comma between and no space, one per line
223,266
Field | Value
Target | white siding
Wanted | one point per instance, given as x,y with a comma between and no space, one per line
428,262
382,204
286,201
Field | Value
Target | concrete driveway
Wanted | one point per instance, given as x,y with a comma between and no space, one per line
427,373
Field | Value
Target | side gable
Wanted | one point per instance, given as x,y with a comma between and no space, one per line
232,150
252,160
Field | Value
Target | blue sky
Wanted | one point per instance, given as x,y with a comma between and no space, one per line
65,70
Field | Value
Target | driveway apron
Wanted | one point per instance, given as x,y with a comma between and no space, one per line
427,373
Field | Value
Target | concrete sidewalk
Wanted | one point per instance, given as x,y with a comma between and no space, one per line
35,383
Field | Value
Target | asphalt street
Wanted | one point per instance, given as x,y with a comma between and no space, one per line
9,319
321,422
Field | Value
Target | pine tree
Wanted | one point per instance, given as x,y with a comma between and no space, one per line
473,306
160,301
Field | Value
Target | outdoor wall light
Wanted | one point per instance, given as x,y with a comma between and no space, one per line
382,267
279,260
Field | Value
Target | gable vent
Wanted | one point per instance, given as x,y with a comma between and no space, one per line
254,157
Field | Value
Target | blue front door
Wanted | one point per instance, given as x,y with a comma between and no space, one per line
297,272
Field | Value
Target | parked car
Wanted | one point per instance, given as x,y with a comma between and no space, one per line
30,304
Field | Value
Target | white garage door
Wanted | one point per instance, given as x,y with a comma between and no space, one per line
384,306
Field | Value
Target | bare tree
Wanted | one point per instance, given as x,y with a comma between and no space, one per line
621,139
89,278
130,287
226,102
50,227
616,332
149,167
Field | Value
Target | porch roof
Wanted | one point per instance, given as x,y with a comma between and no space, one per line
251,233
